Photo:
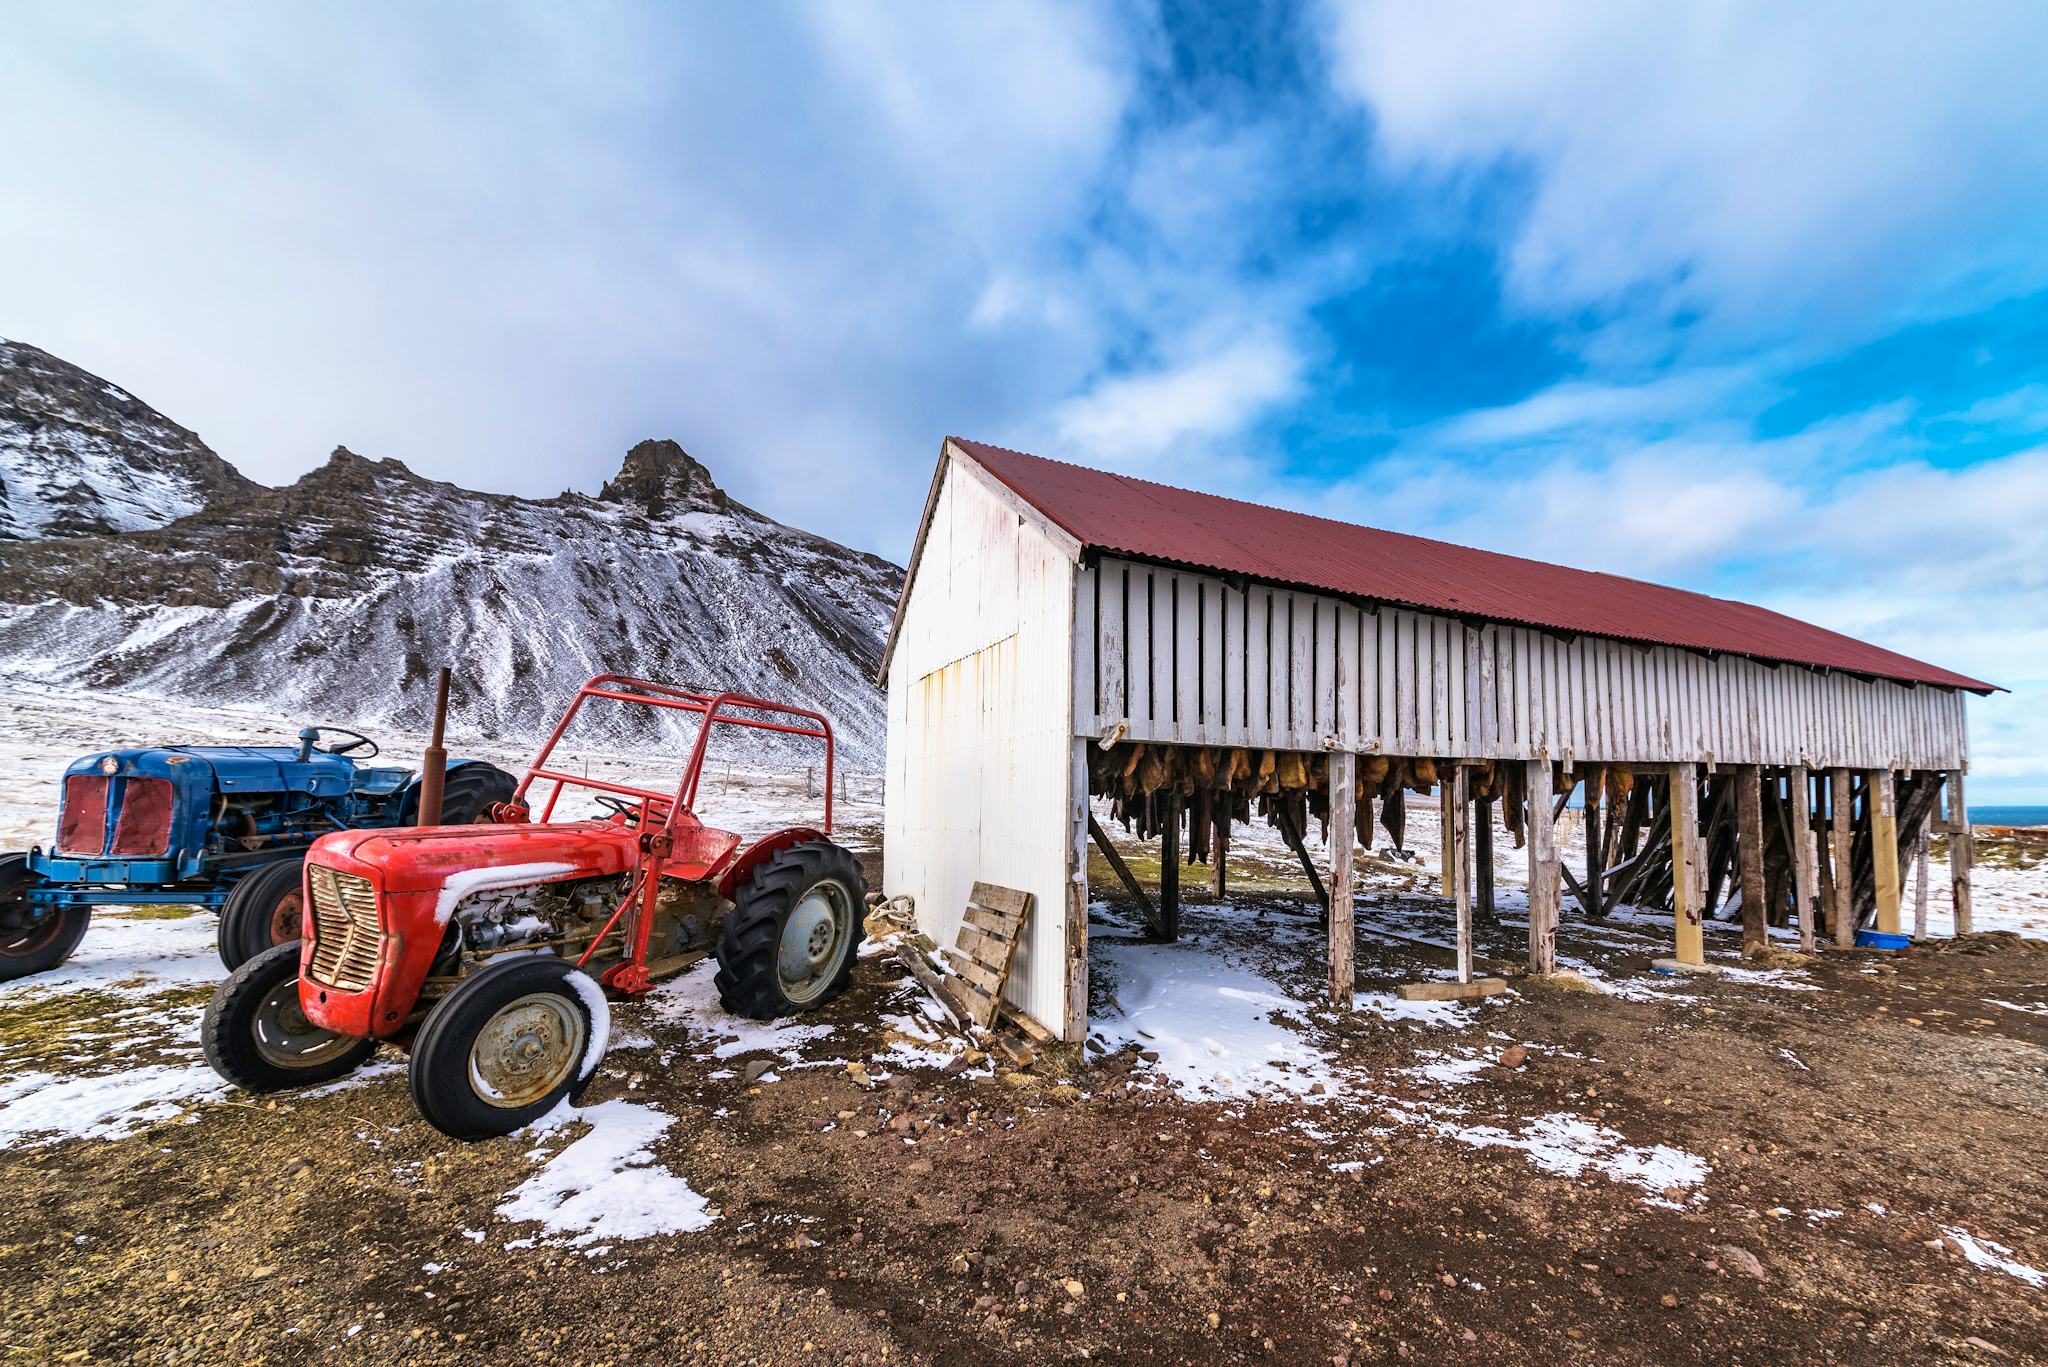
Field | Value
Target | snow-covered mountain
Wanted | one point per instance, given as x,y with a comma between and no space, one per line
79,455
337,596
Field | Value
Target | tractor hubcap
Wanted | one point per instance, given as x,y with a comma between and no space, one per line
284,1037
284,919
526,1050
813,942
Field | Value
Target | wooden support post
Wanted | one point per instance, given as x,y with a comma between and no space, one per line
1749,854
1594,896
1805,875
1457,842
1842,807
1962,851
1444,809
1920,844
1884,847
1687,892
1543,872
1122,871
1169,872
1074,1020
1482,858
1343,835
1219,842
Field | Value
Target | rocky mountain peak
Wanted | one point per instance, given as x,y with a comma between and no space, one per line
661,476
80,456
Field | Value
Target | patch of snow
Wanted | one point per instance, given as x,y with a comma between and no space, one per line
605,1185
1390,1007
2035,1008
600,1021
1451,1072
133,956
42,1108
1211,1023
1569,1145
461,885
1985,1253
691,1001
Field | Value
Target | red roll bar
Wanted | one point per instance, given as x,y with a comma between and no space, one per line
717,709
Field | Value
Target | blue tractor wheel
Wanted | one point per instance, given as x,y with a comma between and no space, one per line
31,944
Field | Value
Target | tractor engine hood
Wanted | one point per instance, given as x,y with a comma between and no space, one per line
378,903
430,858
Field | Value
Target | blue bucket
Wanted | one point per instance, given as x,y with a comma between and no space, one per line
1881,939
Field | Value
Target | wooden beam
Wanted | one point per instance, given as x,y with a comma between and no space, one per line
1461,866
1749,854
1074,1019
1884,847
1295,842
1920,843
1687,892
1842,808
1805,874
1343,835
1482,858
1443,796
1544,869
1122,871
1962,851
1593,897
1169,872
1220,809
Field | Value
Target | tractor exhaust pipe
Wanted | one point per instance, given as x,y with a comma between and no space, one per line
434,764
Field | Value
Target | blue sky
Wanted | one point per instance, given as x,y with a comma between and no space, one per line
1746,297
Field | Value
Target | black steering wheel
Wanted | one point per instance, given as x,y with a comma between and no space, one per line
356,742
629,810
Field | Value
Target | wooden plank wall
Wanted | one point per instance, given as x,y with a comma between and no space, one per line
1184,657
980,751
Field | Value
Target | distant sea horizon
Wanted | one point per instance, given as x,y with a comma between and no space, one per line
2009,816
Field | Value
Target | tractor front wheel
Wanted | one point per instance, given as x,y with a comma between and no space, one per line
256,1034
507,1046
262,912
29,943
788,944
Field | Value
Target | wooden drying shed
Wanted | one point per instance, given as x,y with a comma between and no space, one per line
1199,662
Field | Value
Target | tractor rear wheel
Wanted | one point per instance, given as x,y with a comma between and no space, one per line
31,944
507,1046
262,911
788,944
256,1034
468,794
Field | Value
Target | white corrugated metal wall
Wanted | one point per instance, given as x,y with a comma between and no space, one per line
980,727
1185,657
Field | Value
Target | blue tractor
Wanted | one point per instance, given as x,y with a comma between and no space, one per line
219,826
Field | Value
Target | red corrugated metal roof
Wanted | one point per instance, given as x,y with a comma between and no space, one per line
1157,522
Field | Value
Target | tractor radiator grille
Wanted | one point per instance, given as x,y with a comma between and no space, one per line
347,941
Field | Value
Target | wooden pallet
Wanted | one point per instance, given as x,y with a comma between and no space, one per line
983,950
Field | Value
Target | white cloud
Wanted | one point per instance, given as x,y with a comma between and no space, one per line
1746,157
1135,420
759,232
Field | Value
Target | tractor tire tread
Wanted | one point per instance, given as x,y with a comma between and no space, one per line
470,790
746,979
15,881
224,1032
437,1073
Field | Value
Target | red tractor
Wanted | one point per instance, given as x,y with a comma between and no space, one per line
487,950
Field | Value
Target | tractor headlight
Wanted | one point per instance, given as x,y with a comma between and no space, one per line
110,765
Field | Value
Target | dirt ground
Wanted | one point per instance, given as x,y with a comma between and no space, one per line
1089,1210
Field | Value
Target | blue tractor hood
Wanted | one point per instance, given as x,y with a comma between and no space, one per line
230,769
